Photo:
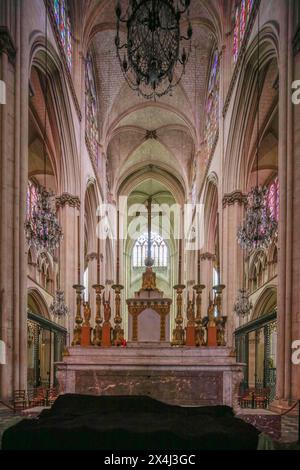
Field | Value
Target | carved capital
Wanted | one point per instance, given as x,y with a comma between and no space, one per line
208,256
67,199
235,197
91,256
6,44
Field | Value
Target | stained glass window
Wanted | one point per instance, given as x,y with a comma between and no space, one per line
273,198
236,36
32,195
91,125
56,8
212,103
62,18
159,251
242,15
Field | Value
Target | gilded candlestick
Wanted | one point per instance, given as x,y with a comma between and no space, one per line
98,258
78,252
178,332
218,298
220,319
78,318
200,341
118,332
97,333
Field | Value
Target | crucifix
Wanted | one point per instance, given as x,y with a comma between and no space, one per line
149,261
149,277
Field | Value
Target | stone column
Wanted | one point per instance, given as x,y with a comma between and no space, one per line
68,209
21,161
14,174
286,261
233,213
6,237
295,369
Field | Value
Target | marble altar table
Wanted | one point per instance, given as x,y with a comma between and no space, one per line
176,375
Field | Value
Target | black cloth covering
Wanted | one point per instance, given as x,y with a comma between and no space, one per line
83,422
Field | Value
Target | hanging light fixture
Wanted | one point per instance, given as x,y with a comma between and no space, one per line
243,305
58,308
42,226
259,226
153,49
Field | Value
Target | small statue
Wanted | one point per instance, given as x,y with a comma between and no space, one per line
221,322
86,313
149,279
211,313
107,309
107,331
119,337
191,313
200,341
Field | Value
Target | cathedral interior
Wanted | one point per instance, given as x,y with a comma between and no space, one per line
149,192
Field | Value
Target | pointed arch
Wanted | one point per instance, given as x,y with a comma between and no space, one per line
266,303
37,304
210,212
237,160
67,157
91,203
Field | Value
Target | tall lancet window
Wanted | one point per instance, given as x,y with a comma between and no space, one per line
91,124
241,17
159,251
62,18
212,103
32,195
273,198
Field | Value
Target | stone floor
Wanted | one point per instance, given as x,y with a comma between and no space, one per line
289,428
282,430
7,419
266,421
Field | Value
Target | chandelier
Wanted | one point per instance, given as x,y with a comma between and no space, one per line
58,308
153,49
259,227
243,305
42,226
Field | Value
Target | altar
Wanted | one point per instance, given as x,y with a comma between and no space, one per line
194,367
181,376
149,363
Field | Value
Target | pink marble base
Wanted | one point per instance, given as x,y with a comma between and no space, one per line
183,376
